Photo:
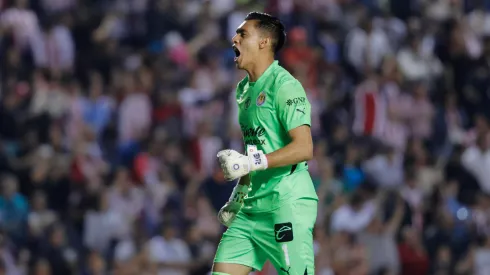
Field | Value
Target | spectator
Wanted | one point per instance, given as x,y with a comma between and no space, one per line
366,47
443,261
103,226
131,127
61,257
170,253
482,257
13,209
421,113
347,255
42,267
96,265
300,58
386,170
54,48
379,241
352,174
370,108
40,218
354,216
476,160
22,23
415,66
125,199
97,109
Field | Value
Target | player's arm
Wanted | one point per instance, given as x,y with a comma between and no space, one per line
298,150
294,113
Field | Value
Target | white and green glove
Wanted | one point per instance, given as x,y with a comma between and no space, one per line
236,165
227,213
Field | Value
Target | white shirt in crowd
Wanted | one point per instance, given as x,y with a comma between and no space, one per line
169,251
24,23
347,219
478,164
54,50
134,116
412,195
125,250
102,227
51,100
386,173
482,261
418,67
129,205
362,46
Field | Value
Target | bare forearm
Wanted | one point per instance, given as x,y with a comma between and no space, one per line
292,153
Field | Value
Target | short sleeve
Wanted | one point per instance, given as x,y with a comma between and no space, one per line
292,105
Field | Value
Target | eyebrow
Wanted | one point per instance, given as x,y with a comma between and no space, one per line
240,31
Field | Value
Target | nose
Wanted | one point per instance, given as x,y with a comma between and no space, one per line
234,39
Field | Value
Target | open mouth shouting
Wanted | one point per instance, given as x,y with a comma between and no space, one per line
237,53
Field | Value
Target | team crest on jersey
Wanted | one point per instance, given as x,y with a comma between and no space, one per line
261,99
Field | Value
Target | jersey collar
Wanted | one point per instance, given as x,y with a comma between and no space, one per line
265,75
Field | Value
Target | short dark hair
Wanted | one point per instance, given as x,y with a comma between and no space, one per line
272,25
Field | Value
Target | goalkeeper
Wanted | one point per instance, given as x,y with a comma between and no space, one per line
272,210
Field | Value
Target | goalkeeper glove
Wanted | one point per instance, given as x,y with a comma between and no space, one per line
236,165
228,212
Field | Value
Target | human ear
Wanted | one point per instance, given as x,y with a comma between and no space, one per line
264,42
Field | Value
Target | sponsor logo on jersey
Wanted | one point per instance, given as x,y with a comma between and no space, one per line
261,99
283,232
253,136
301,110
252,132
296,101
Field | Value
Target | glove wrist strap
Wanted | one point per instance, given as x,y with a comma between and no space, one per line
257,158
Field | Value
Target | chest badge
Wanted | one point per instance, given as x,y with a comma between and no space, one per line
261,99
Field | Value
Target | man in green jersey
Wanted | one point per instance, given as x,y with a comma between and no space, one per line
272,210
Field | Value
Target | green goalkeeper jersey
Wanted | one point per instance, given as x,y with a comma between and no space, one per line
267,110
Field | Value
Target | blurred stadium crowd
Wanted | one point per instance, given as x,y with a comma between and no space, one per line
112,112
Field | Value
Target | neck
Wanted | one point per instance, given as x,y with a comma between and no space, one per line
259,68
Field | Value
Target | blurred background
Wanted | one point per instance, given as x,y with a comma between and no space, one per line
112,112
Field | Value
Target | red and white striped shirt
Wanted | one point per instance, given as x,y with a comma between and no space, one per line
372,114
370,110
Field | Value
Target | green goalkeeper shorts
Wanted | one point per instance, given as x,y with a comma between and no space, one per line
284,237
